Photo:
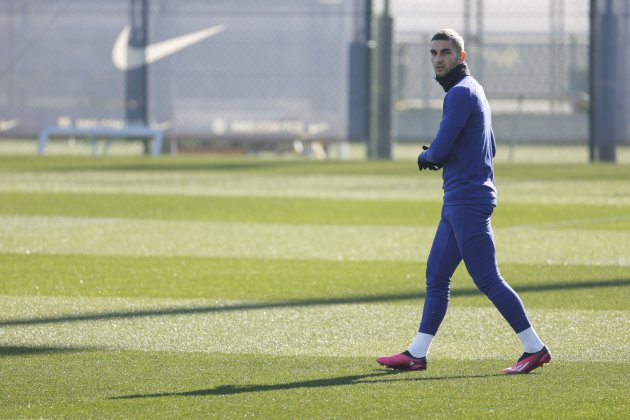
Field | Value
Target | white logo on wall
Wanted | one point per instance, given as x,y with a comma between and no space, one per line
6,125
299,128
129,58
219,126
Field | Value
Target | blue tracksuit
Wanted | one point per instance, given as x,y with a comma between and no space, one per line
465,146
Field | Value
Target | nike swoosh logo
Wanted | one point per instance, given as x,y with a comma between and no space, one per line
6,125
129,58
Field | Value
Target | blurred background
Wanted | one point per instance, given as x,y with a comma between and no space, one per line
319,78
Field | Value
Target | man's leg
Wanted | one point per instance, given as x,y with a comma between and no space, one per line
472,227
474,232
441,264
443,259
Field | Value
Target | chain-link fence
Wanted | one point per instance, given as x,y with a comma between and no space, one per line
532,57
228,73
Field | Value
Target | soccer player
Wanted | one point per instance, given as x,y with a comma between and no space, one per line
464,147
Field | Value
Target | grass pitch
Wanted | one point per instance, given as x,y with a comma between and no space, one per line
213,287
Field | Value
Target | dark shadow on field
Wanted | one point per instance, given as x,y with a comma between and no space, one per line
314,383
539,288
35,350
248,306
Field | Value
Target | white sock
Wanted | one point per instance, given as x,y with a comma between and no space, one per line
531,342
420,346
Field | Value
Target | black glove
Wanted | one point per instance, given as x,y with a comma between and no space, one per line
428,165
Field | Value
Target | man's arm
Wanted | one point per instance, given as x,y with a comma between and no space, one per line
457,109
428,165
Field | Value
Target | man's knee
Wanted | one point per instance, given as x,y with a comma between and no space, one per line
490,284
438,286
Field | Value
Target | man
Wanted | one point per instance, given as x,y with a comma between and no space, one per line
464,147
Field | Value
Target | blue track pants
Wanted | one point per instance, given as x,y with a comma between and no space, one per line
464,233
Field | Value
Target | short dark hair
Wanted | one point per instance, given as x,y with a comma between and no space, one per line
452,35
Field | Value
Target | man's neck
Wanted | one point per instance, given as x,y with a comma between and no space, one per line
452,77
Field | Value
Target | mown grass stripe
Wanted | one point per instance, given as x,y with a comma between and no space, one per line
58,235
297,281
255,165
300,210
192,385
351,329
410,187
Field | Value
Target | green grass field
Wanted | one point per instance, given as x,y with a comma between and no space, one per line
214,287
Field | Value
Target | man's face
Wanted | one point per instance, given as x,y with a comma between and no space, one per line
444,57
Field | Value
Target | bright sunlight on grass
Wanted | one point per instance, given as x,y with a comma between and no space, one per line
231,287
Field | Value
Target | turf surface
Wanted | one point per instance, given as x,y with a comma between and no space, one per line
213,287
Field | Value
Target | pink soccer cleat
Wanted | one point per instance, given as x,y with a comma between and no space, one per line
403,361
529,362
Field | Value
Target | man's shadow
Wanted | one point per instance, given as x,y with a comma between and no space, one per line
314,383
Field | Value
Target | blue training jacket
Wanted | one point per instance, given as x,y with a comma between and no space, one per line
465,145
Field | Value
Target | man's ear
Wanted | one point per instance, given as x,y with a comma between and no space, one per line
462,57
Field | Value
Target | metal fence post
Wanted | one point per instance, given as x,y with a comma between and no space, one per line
609,85
380,135
136,75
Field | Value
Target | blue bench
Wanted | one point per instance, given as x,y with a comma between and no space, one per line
102,132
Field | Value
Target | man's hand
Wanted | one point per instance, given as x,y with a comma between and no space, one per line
424,164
